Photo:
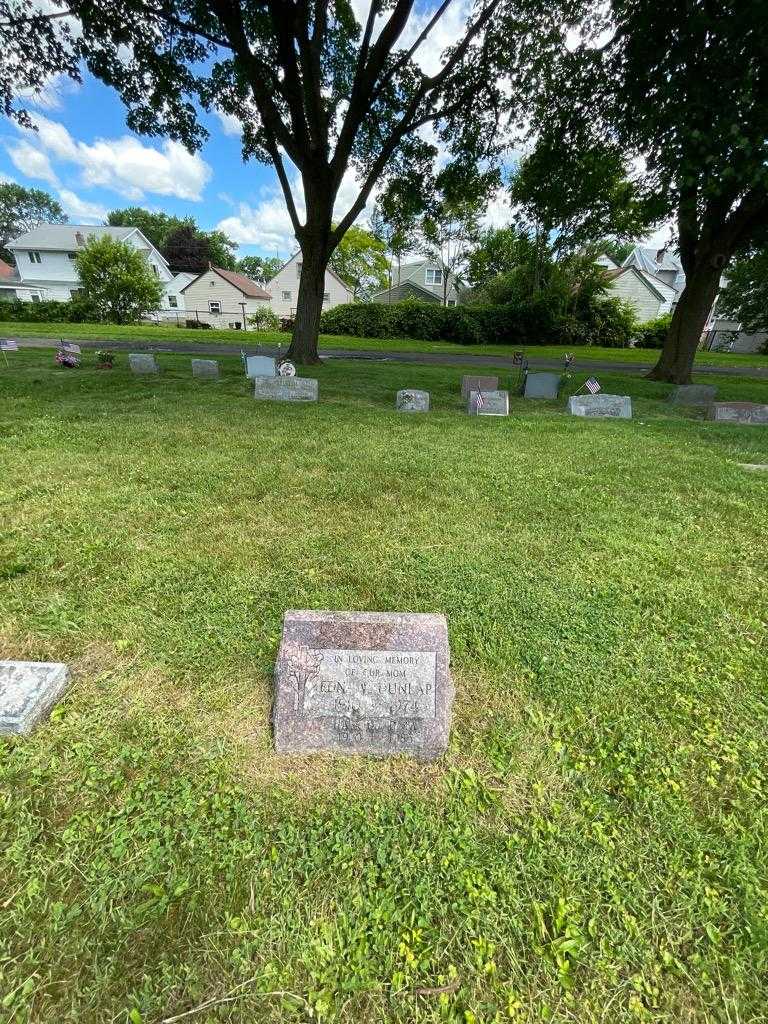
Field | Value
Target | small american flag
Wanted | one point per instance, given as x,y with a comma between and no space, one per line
69,346
479,401
592,385
9,346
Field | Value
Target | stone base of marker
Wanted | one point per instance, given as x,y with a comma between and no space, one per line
693,394
205,369
474,383
488,403
746,413
142,363
411,400
363,683
28,691
601,406
542,385
285,389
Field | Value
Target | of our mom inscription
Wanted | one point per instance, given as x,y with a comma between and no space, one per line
364,683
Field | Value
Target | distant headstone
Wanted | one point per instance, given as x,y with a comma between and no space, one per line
285,389
363,683
617,406
542,385
411,400
488,403
693,394
747,413
471,383
754,467
142,363
28,691
205,369
260,366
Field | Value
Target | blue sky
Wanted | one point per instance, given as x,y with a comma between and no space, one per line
85,156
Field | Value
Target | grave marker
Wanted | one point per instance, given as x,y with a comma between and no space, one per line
693,394
472,383
363,683
412,400
142,363
746,413
285,389
601,406
205,369
488,403
542,385
260,366
28,691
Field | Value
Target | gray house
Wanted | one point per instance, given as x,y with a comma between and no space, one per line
421,280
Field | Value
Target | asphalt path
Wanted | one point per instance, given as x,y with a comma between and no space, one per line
461,358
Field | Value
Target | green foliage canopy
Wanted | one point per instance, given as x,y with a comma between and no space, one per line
117,280
360,261
22,209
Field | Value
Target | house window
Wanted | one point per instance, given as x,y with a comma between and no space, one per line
155,271
286,296
434,275
35,296
451,302
326,296
34,257
173,302
71,255
214,307
298,269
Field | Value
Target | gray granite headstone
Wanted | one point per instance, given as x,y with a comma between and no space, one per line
260,366
693,394
473,383
363,683
142,363
28,691
205,369
616,406
411,400
285,389
542,385
747,413
488,403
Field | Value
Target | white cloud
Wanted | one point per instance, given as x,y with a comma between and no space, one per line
230,124
32,162
81,208
124,165
498,212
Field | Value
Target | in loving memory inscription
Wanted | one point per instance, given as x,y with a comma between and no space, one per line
386,690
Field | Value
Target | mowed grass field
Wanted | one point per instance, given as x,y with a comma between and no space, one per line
593,845
152,333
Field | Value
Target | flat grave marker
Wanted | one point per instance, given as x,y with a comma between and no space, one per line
363,683
601,406
285,389
28,691
205,369
751,414
488,403
474,383
542,385
412,400
142,363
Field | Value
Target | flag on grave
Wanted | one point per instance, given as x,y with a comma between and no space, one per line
9,346
479,401
592,385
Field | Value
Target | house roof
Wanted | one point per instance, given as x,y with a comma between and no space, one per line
328,270
65,236
650,283
433,296
243,284
653,261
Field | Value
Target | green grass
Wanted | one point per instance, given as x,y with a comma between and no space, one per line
591,848
150,332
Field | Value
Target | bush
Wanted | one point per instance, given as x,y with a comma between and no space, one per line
76,311
264,320
652,333
603,322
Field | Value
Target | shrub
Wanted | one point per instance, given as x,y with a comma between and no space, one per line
76,311
264,320
652,333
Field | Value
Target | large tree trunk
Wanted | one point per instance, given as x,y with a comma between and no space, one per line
688,321
309,305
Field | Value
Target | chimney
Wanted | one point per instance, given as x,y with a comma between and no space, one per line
79,238
661,254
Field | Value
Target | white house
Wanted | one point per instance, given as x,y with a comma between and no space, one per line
223,298
284,288
173,303
648,296
420,280
45,258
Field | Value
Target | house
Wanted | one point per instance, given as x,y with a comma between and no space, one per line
173,304
11,289
45,258
421,280
648,296
660,264
223,298
284,288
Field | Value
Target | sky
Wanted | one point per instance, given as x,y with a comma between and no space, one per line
83,154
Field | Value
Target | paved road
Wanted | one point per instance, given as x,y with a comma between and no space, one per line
462,358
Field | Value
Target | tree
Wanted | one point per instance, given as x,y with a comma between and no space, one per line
684,88
360,261
745,296
496,251
155,226
22,209
312,88
179,239
394,222
117,280
258,268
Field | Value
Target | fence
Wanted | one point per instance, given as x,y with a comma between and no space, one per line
204,319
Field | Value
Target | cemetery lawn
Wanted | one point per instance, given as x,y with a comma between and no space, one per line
592,846
158,334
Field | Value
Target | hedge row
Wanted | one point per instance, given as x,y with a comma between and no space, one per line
77,311
607,322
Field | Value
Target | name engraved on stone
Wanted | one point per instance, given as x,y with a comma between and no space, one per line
371,684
